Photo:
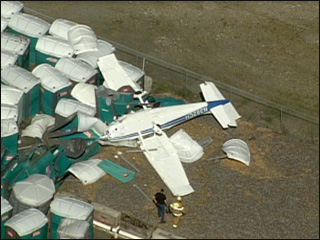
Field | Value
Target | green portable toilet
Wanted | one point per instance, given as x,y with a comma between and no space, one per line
74,229
6,213
13,97
9,8
77,71
54,86
66,107
9,134
28,224
8,59
60,27
24,80
91,58
36,191
9,112
31,27
136,74
68,208
50,49
111,104
4,24
18,45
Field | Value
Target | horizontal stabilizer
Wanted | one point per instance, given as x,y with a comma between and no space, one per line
225,114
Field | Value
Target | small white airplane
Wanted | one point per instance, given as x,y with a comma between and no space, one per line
152,121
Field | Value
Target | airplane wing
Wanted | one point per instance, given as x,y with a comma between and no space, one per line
114,74
226,114
166,162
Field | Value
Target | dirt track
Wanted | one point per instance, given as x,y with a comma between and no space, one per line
269,48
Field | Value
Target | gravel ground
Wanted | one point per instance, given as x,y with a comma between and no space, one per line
277,196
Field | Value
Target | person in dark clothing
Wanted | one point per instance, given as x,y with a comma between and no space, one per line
160,201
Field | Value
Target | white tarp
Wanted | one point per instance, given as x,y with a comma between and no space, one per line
29,25
39,124
82,39
115,77
238,150
51,78
87,171
85,93
226,114
166,162
60,27
66,107
188,150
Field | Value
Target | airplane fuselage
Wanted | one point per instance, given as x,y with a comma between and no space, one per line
129,126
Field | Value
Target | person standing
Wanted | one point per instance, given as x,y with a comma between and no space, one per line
160,200
177,210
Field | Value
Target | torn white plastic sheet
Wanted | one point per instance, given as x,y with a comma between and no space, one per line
167,163
226,114
115,77
87,171
82,39
188,150
85,93
39,124
238,150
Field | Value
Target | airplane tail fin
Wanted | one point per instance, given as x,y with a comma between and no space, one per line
225,114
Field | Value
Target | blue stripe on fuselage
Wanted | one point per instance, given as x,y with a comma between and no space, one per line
177,121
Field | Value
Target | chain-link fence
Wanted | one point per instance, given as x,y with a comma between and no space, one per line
169,78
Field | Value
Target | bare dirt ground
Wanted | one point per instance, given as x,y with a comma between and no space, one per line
267,48
270,49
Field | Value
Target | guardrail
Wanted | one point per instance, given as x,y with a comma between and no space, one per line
185,83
